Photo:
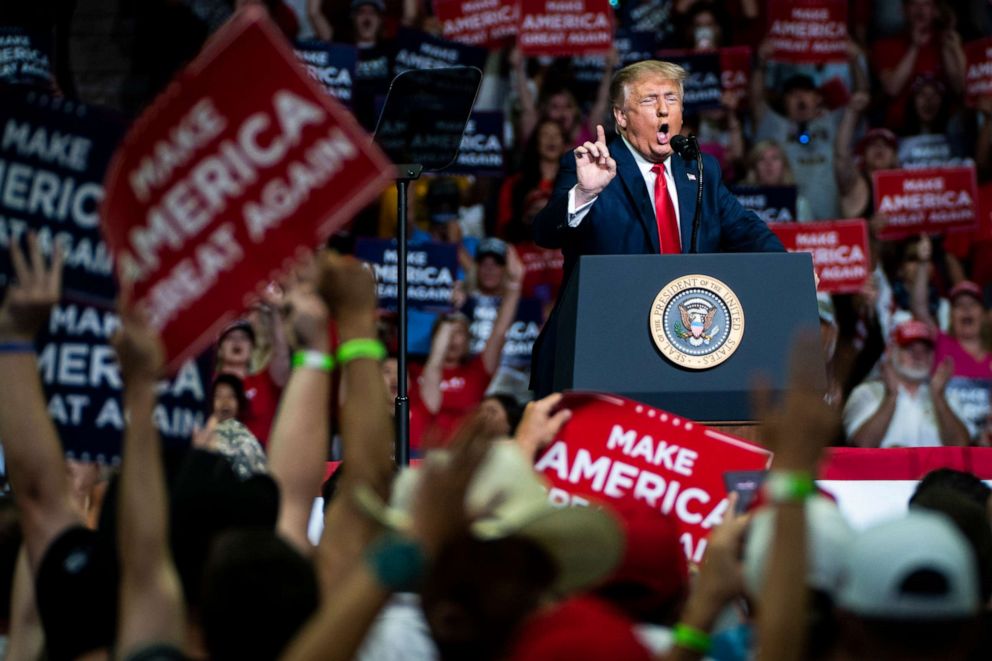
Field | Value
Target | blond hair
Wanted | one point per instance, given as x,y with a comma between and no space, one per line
632,73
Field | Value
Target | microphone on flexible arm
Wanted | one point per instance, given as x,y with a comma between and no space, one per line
688,149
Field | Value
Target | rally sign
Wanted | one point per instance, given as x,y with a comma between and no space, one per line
430,272
972,398
812,31
773,204
53,157
978,76
332,65
589,71
735,70
650,17
520,337
481,151
25,58
217,191
703,89
565,27
614,448
926,200
419,50
839,249
478,22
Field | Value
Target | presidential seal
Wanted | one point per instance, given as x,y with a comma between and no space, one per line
696,322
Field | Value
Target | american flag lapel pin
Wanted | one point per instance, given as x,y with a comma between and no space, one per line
691,176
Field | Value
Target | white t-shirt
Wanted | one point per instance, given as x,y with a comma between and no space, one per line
914,423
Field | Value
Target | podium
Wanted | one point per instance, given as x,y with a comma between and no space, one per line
605,336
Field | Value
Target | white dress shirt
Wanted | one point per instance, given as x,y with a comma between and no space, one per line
575,215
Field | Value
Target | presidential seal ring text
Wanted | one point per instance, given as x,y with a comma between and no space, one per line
696,322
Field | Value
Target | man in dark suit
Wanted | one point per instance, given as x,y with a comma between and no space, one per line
635,195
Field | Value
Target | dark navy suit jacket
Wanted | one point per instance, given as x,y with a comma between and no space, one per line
622,222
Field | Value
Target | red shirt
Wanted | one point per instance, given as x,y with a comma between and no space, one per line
462,389
263,395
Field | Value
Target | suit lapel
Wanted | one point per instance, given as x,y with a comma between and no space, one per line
637,190
686,189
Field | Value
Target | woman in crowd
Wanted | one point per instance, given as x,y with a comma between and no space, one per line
767,165
538,169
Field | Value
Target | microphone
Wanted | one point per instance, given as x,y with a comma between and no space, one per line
684,147
688,149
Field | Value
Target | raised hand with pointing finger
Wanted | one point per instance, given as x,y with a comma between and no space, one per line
594,167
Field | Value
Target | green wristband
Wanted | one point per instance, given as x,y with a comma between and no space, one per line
692,639
360,347
789,486
313,359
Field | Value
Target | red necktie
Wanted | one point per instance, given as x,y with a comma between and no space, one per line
664,211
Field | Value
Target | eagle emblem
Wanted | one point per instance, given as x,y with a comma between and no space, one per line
696,325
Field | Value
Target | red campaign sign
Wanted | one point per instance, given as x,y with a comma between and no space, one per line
565,27
839,249
811,31
926,200
240,168
617,449
478,22
978,75
735,70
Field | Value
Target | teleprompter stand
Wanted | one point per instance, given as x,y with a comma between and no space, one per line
420,129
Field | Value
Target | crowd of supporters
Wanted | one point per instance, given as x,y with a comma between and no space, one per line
213,552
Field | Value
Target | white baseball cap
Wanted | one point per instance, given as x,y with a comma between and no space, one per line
828,536
919,567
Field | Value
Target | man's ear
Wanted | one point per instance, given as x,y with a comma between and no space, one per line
620,118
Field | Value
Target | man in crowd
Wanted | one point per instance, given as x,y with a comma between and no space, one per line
907,405
636,195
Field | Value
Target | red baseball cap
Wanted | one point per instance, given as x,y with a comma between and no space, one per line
876,134
912,331
653,557
579,629
967,287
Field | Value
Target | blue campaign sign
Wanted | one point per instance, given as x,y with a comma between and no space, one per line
53,156
774,204
431,272
520,337
972,399
481,151
332,65
25,58
703,87
419,50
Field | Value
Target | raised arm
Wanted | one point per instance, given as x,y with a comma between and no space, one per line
895,79
321,26
919,300
300,432
528,104
31,445
507,311
756,97
952,429
348,289
431,375
782,623
844,171
151,606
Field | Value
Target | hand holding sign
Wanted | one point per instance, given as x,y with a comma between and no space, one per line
29,301
541,421
594,167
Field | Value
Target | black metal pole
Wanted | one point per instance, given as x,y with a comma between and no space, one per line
402,413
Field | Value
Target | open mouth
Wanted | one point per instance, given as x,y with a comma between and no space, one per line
663,134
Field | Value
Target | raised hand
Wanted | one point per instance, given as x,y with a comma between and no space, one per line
30,299
540,423
943,374
139,350
594,167
348,288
